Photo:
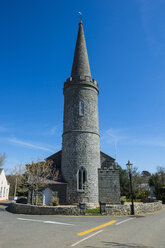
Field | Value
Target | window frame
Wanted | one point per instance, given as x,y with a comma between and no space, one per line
81,108
81,179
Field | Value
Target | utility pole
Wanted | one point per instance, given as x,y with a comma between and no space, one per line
15,189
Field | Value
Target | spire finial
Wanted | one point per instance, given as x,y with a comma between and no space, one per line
80,13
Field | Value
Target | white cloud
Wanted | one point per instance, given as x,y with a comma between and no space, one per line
27,144
113,135
128,137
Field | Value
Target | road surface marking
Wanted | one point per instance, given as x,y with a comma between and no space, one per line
59,223
30,220
96,228
118,223
47,222
86,238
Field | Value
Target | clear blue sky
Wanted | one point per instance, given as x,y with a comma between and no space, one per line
126,48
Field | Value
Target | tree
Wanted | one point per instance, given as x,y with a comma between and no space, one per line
2,159
16,178
124,182
11,179
157,180
31,178
38,175
137,180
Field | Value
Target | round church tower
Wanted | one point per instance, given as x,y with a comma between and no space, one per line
81,143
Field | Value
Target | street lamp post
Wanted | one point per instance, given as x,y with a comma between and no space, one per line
129,167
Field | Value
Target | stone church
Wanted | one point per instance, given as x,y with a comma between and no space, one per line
86,174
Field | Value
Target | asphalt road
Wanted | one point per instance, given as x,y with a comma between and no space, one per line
25,231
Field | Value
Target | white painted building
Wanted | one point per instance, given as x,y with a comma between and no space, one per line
4,186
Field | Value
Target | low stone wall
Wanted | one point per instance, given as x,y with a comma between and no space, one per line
114,210
18,208
118,210
148,207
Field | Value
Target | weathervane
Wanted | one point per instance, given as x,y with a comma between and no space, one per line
80,13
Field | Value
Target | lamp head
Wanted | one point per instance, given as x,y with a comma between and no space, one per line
129,165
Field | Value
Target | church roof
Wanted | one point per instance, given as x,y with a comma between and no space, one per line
56,157
80,65
102,154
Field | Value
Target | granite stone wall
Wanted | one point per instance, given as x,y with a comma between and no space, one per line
40,210
109,186
81,144
113,210
73,94
61,190
144,208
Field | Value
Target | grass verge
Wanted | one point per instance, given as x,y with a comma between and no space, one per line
93,211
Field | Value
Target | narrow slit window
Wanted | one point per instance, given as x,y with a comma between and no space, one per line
81,179
81,108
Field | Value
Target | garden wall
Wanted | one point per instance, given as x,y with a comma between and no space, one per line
114,210
143,208
18,208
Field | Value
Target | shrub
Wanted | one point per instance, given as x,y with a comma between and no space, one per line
55,201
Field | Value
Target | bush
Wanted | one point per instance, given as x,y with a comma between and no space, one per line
55,201
143,195
135,200
22,200
123,198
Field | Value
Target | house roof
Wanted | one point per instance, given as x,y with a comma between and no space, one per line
1,169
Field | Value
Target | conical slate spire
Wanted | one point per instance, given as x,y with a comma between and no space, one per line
80,65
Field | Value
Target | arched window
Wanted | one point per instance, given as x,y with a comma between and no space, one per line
81,108
81,179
